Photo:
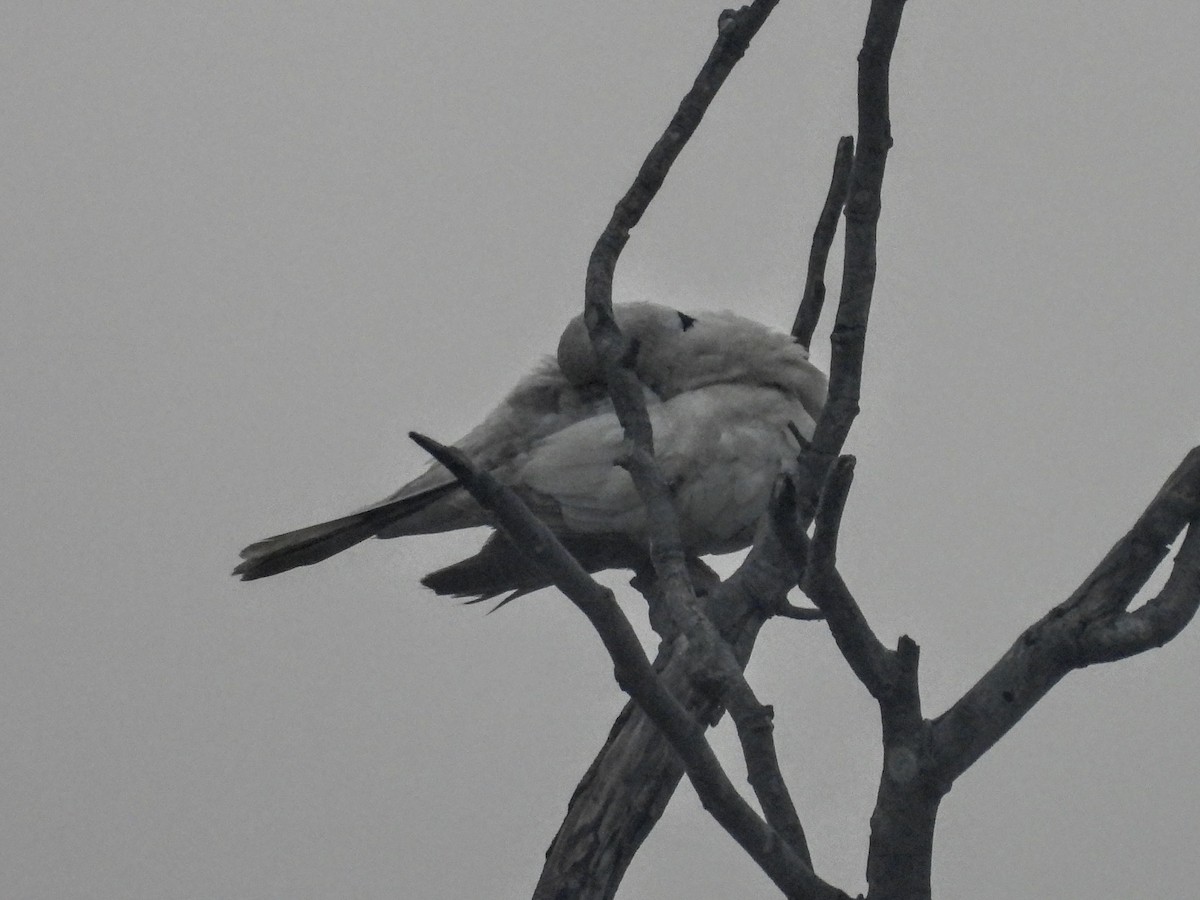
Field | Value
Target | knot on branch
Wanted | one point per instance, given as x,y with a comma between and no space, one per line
902,765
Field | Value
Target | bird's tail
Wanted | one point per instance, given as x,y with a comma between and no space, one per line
306,546
500,567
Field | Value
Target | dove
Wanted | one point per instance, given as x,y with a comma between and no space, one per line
726,397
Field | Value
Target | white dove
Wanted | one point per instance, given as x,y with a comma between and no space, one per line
723,394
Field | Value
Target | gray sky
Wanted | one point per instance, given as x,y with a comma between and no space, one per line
247,247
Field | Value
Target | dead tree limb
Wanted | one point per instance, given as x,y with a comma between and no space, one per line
595,795
634,673
876,666
735,31
631,780
863,205
628,785
715,661
813,299
922,758
1093,625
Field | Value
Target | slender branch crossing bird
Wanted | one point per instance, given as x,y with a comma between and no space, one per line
725,395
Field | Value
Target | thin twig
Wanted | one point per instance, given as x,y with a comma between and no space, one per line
799,613
863,205
813,299
873,663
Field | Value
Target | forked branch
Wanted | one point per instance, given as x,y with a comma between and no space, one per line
637,677
1093,625
630,782
714,659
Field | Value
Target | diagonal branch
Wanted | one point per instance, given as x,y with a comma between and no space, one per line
1114,583
1091,626
735,31
628,785
637,677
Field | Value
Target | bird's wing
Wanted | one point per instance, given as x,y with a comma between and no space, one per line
721,439
541,405
720,449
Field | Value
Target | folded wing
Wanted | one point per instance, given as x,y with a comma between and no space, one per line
721,392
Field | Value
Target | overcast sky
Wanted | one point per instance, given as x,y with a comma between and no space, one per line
247,247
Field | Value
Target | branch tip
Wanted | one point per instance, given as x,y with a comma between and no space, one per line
450,457
813,299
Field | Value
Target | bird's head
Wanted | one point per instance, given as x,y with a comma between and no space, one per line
652,327
678,352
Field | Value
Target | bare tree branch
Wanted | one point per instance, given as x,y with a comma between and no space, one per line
633,777
1114,583
1091,626
637,677
873,663
900,854
863,206
826,475
756,732
813,299
714,658
623,789
611,815
735,31
1160,620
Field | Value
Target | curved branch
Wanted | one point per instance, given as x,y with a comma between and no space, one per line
1160,620
735,31
1091,626
715,660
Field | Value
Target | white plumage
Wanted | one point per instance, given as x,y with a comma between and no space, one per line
721,392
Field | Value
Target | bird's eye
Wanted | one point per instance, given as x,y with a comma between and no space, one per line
685,320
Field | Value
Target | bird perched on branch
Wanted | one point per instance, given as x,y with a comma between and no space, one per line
724,395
